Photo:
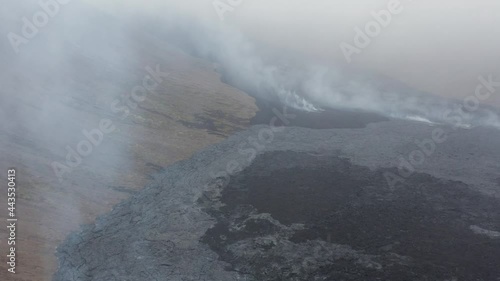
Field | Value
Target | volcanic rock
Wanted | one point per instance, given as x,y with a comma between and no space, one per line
307,204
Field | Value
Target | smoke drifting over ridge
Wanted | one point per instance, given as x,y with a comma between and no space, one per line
310,86
100,31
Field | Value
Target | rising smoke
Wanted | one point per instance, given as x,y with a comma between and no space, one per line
86,42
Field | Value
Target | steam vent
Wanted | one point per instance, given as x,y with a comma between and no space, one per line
271,204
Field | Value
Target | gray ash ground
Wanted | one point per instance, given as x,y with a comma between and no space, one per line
311,205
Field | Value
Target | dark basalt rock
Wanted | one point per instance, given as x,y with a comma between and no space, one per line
420,230
311,205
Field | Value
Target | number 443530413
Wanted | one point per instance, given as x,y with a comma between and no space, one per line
11,195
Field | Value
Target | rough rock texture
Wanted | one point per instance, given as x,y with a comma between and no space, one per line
306,205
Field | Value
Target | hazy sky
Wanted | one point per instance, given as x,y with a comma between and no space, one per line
439,46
